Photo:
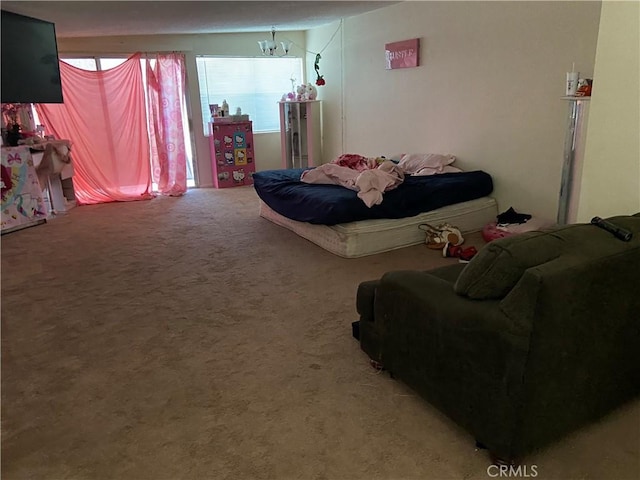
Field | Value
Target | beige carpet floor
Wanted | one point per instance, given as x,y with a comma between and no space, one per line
188,338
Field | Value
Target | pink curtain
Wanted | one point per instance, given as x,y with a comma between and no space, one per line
165,92
103,115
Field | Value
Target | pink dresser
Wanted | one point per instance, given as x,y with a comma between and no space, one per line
232,159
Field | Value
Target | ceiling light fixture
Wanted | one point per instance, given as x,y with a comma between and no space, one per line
270,47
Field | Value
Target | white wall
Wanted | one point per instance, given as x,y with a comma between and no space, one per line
488,89
611,171
330,49
266,145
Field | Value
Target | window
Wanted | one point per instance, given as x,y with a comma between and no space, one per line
253,84
83,63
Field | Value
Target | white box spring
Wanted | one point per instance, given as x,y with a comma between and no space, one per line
368,237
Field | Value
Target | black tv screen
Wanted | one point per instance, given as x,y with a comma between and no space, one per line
30,68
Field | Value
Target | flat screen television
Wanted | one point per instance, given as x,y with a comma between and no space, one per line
30,68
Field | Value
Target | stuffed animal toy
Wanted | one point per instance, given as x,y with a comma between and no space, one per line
312,92
56,156
301,91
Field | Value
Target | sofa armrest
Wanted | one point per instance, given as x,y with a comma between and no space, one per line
364,299
368,331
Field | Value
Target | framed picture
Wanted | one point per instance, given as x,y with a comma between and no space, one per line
404,54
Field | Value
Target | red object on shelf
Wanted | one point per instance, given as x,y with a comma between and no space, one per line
584,91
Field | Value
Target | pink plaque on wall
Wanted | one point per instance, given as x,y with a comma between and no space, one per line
402,54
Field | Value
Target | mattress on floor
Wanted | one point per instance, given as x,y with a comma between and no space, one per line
332,204
368,237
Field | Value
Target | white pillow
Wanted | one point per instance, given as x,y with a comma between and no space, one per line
414,162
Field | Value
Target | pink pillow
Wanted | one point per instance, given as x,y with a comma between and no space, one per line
433,171
414,162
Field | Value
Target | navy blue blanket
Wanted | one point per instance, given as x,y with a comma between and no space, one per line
284,193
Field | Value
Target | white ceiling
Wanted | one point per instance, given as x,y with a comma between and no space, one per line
104,18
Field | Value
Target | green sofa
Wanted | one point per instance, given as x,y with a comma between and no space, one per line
536,336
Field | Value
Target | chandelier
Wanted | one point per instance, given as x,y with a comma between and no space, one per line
270,47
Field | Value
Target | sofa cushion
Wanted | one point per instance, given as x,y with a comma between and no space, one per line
498,266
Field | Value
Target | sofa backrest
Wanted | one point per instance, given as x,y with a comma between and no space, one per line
496,269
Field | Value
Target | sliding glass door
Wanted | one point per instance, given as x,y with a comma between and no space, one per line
107,62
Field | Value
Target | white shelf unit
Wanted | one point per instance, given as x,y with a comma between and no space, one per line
301,133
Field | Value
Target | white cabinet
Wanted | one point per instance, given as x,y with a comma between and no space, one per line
301,133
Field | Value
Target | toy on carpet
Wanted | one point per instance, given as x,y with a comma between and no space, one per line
441,235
